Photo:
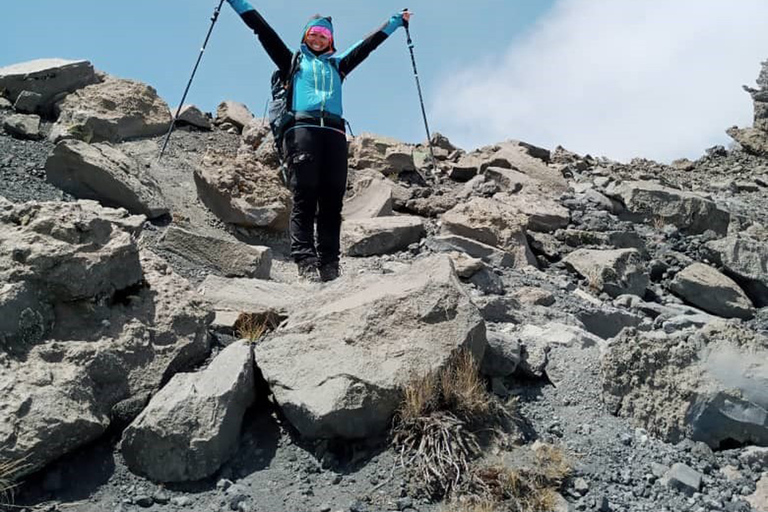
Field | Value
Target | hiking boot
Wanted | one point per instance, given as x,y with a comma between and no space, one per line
329,271
308,270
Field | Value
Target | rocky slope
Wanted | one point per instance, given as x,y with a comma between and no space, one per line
617,311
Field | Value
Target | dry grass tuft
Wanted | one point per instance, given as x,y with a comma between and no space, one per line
9,471
252,326
435,429
520,490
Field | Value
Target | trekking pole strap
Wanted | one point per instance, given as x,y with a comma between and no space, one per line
214,18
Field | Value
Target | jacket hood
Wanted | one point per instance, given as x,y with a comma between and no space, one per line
319,21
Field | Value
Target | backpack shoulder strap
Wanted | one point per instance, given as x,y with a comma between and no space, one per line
294,67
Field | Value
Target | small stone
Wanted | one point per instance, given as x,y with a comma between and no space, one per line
581,486
144,501
161,498
403,503
223,484
336,479
181,501
683,478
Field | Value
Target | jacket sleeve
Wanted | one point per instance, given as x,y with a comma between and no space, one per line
351,58
280,54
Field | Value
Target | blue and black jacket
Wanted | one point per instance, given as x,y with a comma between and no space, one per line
317,80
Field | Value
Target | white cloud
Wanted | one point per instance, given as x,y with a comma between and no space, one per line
621,78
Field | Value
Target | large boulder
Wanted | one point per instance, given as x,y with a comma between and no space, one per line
228,257
705,287
60,253
102,327
650,202
745,259
22,126
751,139
234,113
106,174
229,297
373,334
708,385
193,116
40,83
380,235
386,155
111,111
493,223
192,426
542,213
529,160
371,197
485,252
243,192
615,272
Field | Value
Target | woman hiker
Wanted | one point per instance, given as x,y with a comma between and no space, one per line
315,143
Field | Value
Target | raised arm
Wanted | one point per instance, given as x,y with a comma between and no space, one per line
274,46
351,58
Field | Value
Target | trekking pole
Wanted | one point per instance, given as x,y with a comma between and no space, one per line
421,97
214,17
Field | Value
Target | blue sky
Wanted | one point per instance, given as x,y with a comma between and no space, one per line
157,42
620,78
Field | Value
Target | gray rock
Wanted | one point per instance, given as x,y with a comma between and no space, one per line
192,115
502,356
707,385
23,126
465,169
492,223
388,156
759,498
533,296
465,265
50,78
105,174
499,309
243,191
537,342
509,180
683,478
705,287
192,426
112,111
745,259
380,235
256,296
611,239
371,197
234,113
754,456
606,322
231,258
488,281
751,139
5,104
530,161
650,202
487,253
616,271
29,102
373,333
542,213
61,395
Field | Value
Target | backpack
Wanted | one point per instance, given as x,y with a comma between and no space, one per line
281,111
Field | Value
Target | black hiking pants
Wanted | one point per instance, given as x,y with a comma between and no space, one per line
317,161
